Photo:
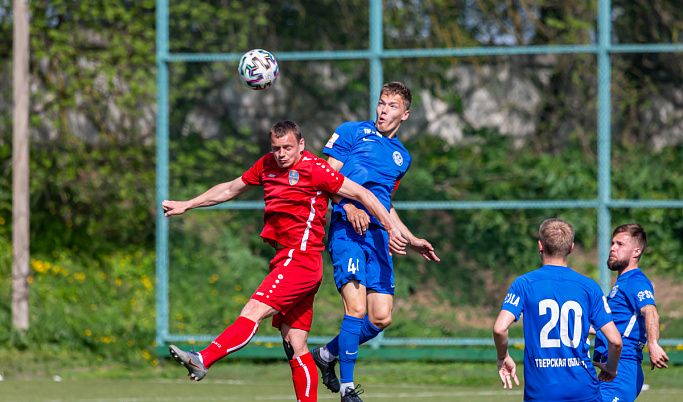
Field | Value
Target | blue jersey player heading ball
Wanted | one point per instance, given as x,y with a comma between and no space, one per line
559,307
370,154
634,312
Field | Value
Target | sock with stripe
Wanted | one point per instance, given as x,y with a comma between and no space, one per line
348,346
305,378
234,338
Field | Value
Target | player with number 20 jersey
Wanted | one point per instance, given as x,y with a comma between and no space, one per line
559,306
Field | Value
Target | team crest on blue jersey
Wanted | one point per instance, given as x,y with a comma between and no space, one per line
398,158
614,291
293,177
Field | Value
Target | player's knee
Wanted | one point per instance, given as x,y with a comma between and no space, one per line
381,322
295,346
289,350
358,311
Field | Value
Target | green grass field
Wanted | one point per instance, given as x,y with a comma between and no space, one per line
241,380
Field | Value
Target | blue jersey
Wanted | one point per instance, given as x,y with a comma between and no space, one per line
559,306
370,159
630,293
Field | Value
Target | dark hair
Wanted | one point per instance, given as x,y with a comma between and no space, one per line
284,127
636,232
557,237
398,88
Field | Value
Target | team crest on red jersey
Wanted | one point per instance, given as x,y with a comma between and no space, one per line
293,177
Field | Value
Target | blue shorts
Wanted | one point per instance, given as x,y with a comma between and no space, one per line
364,258
627,384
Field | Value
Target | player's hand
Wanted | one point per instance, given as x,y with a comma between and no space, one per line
606,375
423,247
507,370
174,207
357,217
658,357
397,244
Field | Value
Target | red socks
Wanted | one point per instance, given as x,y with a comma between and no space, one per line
234,338
305,378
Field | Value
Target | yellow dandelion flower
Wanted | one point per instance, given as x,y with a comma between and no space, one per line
155,362
29,280
238,288
118,282
145,281
87,332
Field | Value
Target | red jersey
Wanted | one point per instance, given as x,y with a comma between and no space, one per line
296,199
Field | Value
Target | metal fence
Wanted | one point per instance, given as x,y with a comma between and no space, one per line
375,54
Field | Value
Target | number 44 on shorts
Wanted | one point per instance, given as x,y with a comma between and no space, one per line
353,268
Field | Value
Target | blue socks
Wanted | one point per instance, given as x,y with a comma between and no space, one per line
348,341
354,332
368,331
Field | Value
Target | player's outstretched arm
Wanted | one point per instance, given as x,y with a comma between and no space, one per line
507,369
658,357
215,195
355,191
608,370
421,246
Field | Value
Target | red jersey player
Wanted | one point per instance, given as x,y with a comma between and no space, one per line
297,185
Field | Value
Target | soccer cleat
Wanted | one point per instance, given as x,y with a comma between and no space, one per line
327,370
352,394
191,360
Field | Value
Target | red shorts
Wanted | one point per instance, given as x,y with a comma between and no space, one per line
290,287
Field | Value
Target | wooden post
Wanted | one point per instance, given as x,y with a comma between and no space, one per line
20,169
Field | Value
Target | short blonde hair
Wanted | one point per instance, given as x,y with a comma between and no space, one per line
400,89
557,237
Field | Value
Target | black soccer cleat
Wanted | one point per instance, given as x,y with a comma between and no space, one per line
191,360
352,394
326,370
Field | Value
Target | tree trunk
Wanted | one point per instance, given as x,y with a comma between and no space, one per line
20,169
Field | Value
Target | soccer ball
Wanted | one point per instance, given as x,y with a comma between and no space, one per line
258,69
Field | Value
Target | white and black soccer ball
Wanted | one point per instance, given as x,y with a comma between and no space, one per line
258,69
